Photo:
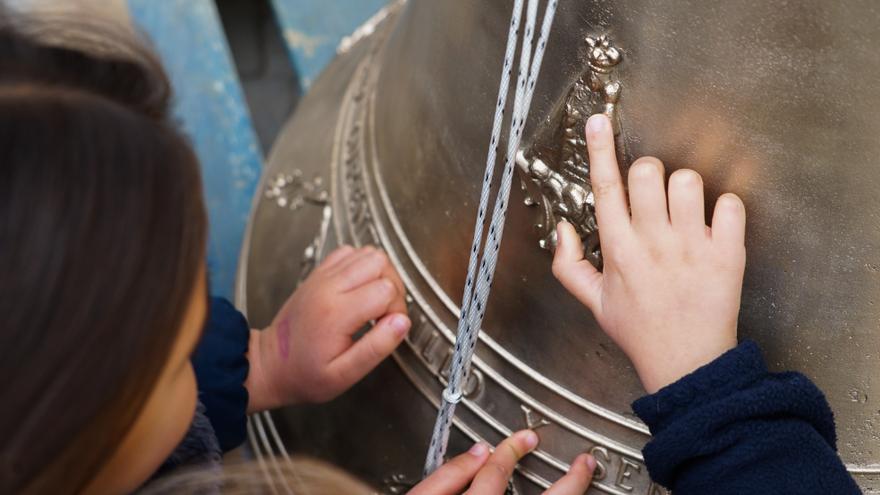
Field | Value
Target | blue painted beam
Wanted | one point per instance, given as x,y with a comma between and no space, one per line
211,106
312,30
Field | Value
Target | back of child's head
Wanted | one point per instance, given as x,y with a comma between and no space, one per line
102,235
297,475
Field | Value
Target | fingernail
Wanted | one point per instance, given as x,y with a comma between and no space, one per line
580,460
559,235
597,123
559,228
591,462
531,439
479,449
400,324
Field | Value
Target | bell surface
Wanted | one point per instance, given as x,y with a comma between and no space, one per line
775,101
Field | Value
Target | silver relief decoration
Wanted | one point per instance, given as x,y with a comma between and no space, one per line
555,176
292,191
603,58
314,252
397,483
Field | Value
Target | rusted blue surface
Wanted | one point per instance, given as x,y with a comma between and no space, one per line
212,110
211,107
312,29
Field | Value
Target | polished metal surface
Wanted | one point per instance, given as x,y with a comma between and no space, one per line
774,101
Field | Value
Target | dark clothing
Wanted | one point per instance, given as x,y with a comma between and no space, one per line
198,447
221,369
732,427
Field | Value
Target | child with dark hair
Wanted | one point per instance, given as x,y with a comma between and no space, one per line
104,294
118,363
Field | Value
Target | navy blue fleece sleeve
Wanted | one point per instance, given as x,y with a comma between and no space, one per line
732,427
221,368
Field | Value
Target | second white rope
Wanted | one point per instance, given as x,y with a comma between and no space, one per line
478,282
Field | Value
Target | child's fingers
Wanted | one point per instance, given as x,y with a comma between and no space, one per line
336,256
493,476
647,195
455,475
353,257
578,478
569,248
729,222
686,206
612,213
369,350
360,268
576,274
369,302
365,265
398,305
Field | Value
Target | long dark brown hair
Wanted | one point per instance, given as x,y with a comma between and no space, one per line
102,238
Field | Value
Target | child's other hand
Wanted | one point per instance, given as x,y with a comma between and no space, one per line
477,472
669,293
308,353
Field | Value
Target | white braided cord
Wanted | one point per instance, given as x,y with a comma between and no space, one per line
479,284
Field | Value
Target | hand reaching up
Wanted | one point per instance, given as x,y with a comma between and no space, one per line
669,292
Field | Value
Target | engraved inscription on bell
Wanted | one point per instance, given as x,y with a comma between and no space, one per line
533,420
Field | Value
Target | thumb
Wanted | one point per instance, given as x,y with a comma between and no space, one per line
455,475
575,273
371,349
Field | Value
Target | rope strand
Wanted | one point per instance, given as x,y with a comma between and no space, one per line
478,282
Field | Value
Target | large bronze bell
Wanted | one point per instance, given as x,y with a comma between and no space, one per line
776,101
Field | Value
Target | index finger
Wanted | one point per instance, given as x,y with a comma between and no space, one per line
338,255
492,479
612,213
398,305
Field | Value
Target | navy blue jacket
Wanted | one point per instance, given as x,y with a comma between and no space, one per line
731,427
221,369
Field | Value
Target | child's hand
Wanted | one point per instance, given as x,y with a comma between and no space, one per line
479,473
308,354
669,292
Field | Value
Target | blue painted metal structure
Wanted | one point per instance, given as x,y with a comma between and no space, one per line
212,109
211,106
312,30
